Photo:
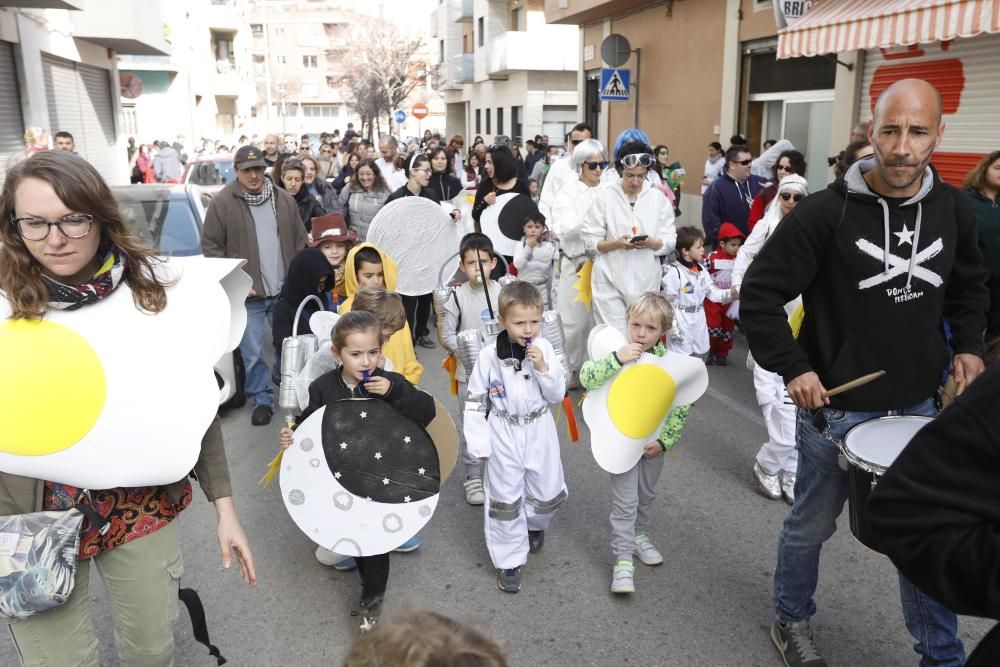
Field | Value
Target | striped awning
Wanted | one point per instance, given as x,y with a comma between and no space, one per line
833,26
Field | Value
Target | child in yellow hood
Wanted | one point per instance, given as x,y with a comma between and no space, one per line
368,266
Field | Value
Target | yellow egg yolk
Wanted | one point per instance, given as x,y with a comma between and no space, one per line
639,399
53,388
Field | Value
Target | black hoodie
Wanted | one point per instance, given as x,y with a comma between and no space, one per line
877,277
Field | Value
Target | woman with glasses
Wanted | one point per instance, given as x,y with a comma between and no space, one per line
789,162
628,229
65,246
327,165
501,178
776,461
589,161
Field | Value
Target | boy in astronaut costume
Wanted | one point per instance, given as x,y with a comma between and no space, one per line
508,424
686,285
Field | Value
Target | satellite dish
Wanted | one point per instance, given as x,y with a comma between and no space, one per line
615,50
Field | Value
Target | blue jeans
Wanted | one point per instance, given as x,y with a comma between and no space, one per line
821,489
258,384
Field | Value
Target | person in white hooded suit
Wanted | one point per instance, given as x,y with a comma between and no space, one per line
628,228
777,460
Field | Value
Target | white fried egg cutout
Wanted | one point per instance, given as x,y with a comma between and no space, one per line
628,411
108,395
361,479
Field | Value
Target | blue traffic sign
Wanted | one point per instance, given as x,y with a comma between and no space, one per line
615,84
399,116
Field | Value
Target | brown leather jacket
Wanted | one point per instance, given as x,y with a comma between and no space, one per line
22,495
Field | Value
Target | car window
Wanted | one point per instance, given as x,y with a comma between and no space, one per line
167,225
217,172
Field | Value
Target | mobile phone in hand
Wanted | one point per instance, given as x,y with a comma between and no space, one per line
639,239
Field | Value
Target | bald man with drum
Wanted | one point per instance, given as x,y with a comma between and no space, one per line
882,257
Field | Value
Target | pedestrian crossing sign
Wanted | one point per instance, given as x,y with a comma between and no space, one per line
615,84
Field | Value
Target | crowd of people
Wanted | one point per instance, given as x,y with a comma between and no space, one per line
886,268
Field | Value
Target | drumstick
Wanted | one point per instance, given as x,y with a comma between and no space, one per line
853,384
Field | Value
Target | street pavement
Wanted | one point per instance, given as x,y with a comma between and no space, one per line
708,604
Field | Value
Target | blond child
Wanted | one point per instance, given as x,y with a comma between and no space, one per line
632,493
509,426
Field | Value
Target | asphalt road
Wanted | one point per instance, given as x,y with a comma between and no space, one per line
708,604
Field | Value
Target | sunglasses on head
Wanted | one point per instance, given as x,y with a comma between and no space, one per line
745,163
633,160
788,195
596,165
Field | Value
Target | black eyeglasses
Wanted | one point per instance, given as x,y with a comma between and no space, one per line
782,167
596,165
72,226
788,195
745,163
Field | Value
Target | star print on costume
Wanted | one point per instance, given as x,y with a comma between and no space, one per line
905,236
421,471
385,449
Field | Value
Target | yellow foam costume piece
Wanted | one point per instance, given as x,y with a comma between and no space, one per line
639,399
584,294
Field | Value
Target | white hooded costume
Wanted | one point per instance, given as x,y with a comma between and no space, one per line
778,453
619,276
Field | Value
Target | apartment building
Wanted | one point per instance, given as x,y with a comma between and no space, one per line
503,70
298,54
59,71
204,88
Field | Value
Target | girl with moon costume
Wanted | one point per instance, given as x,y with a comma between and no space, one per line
777,460
638,400
84,305
375,460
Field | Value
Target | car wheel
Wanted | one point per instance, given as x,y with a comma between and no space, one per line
239,397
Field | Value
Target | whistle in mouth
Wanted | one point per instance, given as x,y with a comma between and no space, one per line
365,376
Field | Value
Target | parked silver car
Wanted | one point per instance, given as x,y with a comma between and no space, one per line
169,219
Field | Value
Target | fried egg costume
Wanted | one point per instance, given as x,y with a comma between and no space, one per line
108,395
628,411
507,419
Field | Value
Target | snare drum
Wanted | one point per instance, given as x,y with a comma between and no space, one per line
870,448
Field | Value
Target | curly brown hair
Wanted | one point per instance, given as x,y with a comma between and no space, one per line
80,187
379,183
424,639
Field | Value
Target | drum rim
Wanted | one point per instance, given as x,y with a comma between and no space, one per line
870,466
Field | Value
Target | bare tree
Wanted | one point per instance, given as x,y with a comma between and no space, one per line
382,73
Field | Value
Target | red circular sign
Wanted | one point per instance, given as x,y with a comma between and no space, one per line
420,110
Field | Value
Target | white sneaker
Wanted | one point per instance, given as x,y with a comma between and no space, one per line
647,553
623,577
327,557
474,494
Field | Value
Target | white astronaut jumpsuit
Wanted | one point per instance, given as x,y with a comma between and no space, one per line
686,290
778,453
572,204
622,275
519,436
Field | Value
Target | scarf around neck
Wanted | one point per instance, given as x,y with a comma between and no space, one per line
105,281
265,195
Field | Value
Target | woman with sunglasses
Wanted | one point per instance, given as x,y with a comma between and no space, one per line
776,461
789,162
65,245
627,229
589,160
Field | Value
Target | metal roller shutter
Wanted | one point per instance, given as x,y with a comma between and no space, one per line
79,101
964,72
11,121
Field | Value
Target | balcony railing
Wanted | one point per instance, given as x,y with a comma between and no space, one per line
464,67
515,51
463,10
